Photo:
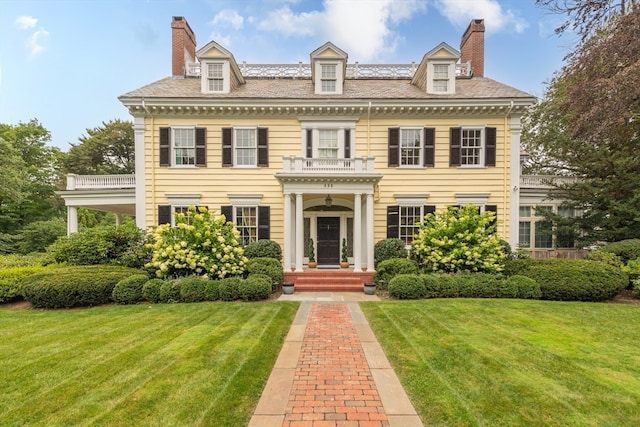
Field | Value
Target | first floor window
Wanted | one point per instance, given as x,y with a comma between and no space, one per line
537,231
410,218
247,224
410,147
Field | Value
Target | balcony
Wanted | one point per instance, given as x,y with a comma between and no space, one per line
100,182
301,165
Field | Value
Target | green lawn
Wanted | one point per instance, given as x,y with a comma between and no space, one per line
514,362
168,365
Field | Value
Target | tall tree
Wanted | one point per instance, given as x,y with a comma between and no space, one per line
107,149
588,126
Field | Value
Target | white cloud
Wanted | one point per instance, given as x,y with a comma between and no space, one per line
461,12
224,41
34,43
26,22
228,17
284,21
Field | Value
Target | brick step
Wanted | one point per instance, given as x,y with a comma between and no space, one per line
334,281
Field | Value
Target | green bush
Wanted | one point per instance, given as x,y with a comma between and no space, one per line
516,266
526,288
170,291
389,268
78,286
16,260
636,288
407,286
439,285
479,285
151,290
577,280
269,266
263,249
38,235
626,249
256,287
388,248
606,257
229,288
632,268
11,281
129,290
192,288
212,290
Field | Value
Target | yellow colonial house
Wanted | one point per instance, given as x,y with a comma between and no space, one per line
325,150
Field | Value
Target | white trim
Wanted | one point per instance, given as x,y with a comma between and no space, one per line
451,78
234,146
421,154
226,76
183,199
478,199
483,146
318,76
411,199
244,200
138,131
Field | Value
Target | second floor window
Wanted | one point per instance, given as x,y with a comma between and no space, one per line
328,144
215,77
328,78
184,146
245,147
472,146
411,147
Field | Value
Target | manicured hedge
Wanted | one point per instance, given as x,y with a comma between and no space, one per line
192,289
440,285
74,286
269,266
263,249
212,290
626,249
229,289
151,290
526,287
388,248
170,291
129,290
388,269
407,286
256,287
11,281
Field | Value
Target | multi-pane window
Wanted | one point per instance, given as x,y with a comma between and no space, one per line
247,223
440,77
524,234
471,147
215,77
184,146
410,145
328,77
328,143
537,231
410,218
245,147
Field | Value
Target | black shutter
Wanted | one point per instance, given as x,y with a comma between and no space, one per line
264,225
227,146
164,214
165,146
347,143
490,146
263,147
394,146
429,146
201,147
455,139
309,143
227,211
428,209
492,208
393,222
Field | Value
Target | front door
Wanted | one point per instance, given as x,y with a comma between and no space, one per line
328,240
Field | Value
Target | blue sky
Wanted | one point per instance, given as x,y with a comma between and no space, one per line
65,62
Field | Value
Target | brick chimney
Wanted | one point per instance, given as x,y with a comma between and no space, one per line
183,42
472,47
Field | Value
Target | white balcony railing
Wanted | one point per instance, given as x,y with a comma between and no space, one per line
544,181
100,182
358,165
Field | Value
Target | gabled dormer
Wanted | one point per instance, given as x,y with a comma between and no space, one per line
219,72
436,73
328,69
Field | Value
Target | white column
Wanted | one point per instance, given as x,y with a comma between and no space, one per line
287,232
514,206
138,129
118,219
299,232
369,228
357,232
72,220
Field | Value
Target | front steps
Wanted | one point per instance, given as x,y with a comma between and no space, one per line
338,280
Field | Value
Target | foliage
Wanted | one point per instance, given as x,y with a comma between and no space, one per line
482,285
170,291
255,288
388,248
606,257
312,251
632,268
212,290
626,250
387,269
263,249
576,280
526,287
192,288
100,245
151,290
344,254
129,290
108,149
38,235
636,289
77,286
11,281
588,128
269,266
199,244
440,285
17,260
407,286
459,239
229,288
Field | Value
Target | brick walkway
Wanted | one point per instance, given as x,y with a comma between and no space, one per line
333,385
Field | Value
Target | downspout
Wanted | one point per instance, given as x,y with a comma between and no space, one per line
153,165
506,188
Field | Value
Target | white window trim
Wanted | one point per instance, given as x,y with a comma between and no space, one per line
318,77
451,84
411,199
420,147
483,146
181,200
234,147
247,200
315,127
226,76
478,199
172,148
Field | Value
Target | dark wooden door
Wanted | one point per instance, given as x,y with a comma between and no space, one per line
328,240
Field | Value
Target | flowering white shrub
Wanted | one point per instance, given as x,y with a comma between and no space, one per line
459,239
199,244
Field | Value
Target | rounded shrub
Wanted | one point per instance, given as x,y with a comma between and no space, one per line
407,286
170,291
440,285
526,287
129,290
229,289
78,286
212,290
479,285
625,249
151,290
577,280
11,279
263,249
386,270
256,287
606,257
269,266
388,248
192,288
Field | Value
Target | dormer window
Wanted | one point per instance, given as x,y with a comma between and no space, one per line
328,78
215,77
328,65
440,77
